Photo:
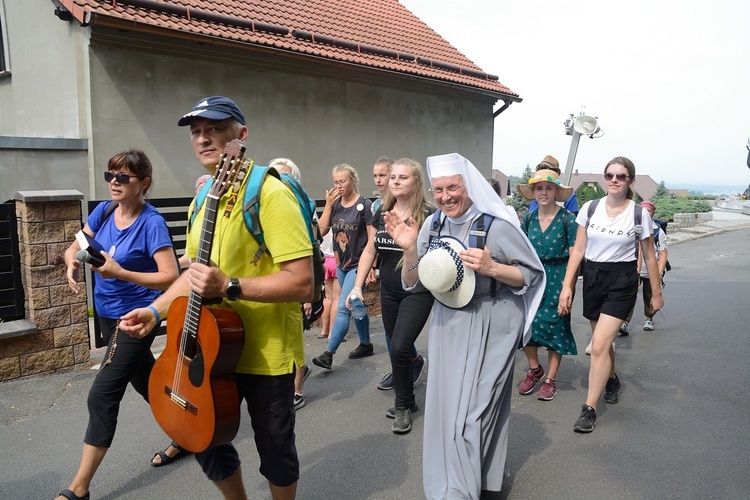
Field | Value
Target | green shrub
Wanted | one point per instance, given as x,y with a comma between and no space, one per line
667,207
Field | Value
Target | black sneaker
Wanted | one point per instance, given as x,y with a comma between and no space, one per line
325,360
402,421
611,390
361,351
299,401
391,412
586,421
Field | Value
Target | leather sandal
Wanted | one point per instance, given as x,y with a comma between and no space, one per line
72,496
166,459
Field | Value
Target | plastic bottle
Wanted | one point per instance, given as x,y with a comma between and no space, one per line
359,310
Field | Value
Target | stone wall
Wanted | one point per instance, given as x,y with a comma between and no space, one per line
47,224
690,220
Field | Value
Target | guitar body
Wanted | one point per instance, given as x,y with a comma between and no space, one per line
192,391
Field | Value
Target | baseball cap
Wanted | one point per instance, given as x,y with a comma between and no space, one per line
214,108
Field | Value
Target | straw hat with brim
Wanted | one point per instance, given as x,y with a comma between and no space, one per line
443,273
562,193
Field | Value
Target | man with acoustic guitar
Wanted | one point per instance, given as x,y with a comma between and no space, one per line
265,297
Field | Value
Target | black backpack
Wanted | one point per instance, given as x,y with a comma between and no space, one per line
663,225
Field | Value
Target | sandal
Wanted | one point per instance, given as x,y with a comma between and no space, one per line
72,496
321,336
166,459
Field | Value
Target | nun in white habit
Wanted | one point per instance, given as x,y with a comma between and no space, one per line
473,335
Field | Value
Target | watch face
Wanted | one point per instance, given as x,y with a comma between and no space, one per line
233,290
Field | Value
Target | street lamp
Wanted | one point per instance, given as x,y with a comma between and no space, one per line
578,126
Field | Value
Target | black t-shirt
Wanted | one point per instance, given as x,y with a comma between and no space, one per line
350,231
389,253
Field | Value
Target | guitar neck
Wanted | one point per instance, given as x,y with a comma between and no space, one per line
203,256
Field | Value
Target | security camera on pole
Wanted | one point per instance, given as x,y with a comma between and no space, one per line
578,126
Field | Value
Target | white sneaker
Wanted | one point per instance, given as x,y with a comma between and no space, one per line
649,325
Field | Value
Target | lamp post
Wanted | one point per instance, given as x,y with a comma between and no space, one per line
578,126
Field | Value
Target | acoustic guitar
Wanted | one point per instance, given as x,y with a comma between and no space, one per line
192,391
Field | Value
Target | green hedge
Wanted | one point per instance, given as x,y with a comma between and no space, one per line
667,207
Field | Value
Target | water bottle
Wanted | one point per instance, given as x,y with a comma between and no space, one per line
359,310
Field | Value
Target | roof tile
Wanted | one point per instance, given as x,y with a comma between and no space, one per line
359,26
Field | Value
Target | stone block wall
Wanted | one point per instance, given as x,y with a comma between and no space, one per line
47,224
691,219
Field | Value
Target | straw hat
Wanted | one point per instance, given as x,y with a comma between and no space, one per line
549,162
442,272
562,193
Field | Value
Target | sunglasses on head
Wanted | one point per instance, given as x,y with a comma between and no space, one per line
119,177
620,177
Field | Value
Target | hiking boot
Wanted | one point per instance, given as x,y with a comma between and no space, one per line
361,351
624,330
299,401
418,364
548,390
532,378
386,383
391,413
586,421
402,421
649,325
325,360
611,390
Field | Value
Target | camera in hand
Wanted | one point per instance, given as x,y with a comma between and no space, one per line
91,250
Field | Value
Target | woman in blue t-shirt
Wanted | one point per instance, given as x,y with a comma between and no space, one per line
139,263
349,215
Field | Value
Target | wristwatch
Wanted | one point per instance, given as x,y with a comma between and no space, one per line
233,290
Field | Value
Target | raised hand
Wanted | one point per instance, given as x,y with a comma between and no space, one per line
403,233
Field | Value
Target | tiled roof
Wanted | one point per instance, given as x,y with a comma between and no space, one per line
374,33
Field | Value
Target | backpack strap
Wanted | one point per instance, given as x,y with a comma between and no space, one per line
199,199
438,220
591,210
478,239
251,206
110,209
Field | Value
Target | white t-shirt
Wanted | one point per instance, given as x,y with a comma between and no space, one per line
612,239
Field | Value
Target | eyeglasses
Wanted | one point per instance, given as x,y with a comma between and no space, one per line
119,177
620,177
340,183
450,190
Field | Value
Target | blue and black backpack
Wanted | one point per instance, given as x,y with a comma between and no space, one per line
251,212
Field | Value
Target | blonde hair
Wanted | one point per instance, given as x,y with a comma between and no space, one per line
349,170
278,163
417,201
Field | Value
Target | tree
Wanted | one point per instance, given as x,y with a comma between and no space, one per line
662,191
588,192
517,201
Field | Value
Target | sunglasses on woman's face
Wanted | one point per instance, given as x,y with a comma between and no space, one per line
620,177
119,177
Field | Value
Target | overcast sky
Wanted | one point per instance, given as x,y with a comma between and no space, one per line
668,80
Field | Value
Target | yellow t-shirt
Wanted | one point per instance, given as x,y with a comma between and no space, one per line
273,331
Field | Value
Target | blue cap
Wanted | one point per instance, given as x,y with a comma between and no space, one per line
214,108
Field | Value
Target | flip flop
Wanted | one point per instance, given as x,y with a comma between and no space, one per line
321,336
72,496
166,459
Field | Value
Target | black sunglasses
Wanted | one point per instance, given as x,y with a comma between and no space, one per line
620,177
120,177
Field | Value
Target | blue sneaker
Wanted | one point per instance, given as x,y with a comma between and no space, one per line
386,384
418,365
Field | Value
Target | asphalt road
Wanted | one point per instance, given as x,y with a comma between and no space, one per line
679,431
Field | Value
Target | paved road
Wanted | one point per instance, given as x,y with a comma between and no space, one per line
680,430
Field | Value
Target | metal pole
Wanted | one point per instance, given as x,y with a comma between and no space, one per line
571,158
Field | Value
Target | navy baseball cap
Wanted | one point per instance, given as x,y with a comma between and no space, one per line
214,108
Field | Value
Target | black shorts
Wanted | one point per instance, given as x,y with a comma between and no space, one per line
270,403
609,288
